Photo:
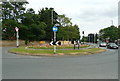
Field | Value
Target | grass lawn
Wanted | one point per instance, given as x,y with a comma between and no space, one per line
22,50
58,47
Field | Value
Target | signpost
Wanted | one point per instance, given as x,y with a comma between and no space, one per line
55,29
17,36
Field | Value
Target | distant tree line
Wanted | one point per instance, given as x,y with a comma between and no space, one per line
35,27
108,34
111,33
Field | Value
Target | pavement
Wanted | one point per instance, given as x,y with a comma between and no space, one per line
97,66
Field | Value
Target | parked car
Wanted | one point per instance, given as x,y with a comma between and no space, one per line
112,45
102,44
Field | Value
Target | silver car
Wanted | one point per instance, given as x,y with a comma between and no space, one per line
103,44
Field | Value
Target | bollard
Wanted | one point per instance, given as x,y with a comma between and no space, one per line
78,46
74,46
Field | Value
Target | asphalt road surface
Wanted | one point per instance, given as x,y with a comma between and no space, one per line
98,66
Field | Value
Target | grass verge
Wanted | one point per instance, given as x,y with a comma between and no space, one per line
24,51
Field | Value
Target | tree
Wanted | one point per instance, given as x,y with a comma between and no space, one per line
27,19
37,32
119,32
84,39
110,33
18,8
8,29
64,21
12,10
6,10
33,31
35,27
48,15
30,11
68,33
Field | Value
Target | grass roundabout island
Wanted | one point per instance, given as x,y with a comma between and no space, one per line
61,50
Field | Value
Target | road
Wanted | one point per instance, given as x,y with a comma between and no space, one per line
97,66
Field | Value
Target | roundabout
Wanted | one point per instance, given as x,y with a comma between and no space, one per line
61,51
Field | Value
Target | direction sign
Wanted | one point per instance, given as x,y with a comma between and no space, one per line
51,43
55,29
58,43
55,43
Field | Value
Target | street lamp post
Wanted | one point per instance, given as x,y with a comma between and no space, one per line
52,16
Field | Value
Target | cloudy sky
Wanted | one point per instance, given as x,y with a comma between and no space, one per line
89,15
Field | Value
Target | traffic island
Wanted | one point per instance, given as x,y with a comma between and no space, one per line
48,47
44,52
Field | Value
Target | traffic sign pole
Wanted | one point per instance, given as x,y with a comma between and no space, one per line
17,43
17,36
55,29
54,41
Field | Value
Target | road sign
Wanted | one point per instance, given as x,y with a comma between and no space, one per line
51,43
55,43
17,29
55,29
58,43
17,36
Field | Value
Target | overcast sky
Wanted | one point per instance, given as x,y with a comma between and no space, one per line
89,15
